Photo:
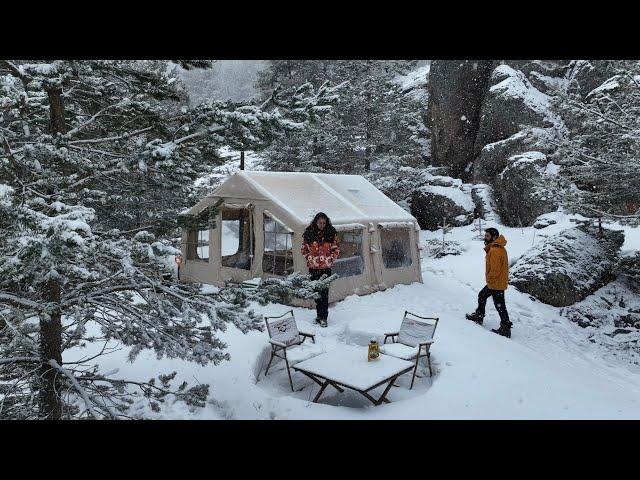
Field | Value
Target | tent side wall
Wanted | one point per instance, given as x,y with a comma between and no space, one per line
214,272
200,271
398,275
237,190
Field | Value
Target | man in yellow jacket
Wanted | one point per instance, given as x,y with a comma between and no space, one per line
497,277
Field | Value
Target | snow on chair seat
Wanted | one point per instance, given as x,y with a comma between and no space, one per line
287,342
399,350
303,352
415,333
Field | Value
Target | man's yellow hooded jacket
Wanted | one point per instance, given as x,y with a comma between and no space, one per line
497,264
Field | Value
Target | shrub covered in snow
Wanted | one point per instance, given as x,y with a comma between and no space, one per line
279,290
438,248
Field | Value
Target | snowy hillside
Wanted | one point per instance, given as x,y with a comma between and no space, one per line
548,370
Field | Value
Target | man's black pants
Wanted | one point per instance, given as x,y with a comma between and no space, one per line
498,301
322,303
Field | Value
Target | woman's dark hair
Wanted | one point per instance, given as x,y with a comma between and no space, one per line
312,232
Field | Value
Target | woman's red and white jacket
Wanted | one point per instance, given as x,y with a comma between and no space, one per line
321,254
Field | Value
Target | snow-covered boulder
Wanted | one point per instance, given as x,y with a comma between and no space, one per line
523,190
430,203
511,102
493,157
550,68
612,317
521,177
548,76
545,220
629,271
568,267
613,305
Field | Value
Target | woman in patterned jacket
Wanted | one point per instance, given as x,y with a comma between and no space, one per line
320,248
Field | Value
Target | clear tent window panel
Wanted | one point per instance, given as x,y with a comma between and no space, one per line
236,238
350,262
277,257
396,247
202,245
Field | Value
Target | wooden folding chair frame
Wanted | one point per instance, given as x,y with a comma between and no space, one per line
279,347
426,345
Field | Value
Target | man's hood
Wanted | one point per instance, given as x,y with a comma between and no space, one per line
498,242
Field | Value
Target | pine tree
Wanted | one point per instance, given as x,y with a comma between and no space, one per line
373,120
98,157
601,156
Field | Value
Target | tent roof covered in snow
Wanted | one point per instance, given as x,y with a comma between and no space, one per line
345,198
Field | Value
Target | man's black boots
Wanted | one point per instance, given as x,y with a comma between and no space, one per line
476,317
503,330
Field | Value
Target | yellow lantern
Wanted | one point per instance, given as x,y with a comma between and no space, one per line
374,350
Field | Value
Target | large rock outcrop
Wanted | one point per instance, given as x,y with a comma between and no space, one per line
548,76
493,157
568,267
449,200
523,190
513,128
456,93
522,179
629,270
511,103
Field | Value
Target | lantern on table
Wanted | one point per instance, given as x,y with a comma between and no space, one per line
374,350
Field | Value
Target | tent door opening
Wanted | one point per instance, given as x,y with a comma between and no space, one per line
237,237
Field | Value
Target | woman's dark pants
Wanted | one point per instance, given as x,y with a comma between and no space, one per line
498,301
322,303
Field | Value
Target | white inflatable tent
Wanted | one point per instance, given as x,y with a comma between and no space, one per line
261,217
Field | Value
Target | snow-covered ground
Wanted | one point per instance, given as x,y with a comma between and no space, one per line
548,370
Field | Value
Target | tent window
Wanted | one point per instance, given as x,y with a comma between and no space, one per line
396,249
236,234
277,258
350,261
198,245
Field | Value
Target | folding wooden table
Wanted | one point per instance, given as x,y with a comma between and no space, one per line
347,367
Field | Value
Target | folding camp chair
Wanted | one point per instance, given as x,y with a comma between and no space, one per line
415,333
286,342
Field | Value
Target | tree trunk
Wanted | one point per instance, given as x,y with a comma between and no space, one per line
241,159
51,328
51,348
56,109
367,126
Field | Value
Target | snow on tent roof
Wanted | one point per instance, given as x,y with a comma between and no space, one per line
345,198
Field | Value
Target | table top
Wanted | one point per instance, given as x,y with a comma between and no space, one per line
348,366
